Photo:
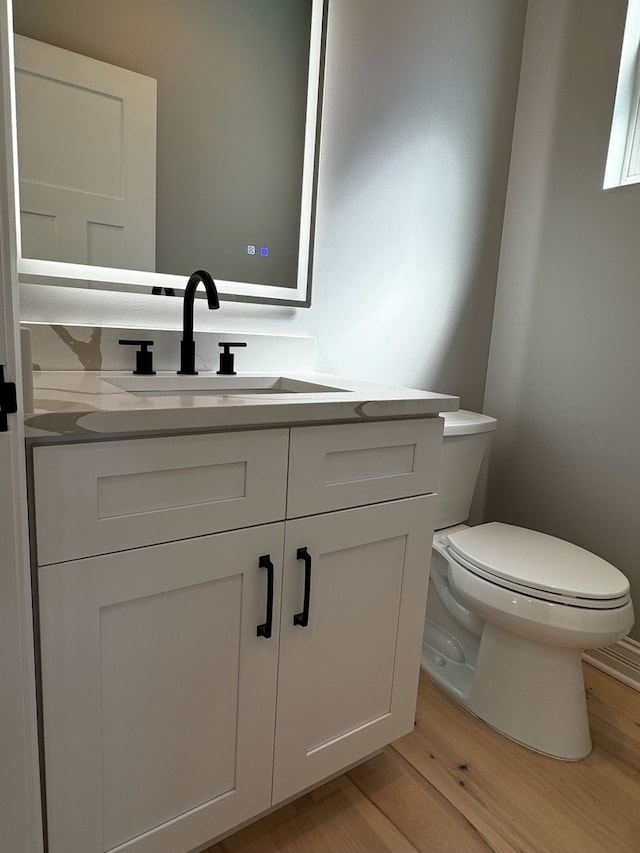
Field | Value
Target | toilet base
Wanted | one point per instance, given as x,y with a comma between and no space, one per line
531,692
452,674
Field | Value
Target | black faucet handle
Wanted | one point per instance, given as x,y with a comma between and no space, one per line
226,357
144,356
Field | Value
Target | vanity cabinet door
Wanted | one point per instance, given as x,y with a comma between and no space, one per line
158,693
348,679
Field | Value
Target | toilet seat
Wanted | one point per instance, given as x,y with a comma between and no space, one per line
538,565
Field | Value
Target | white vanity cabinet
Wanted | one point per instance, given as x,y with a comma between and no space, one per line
159,686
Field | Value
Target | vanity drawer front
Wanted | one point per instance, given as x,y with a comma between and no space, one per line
111,496
340,466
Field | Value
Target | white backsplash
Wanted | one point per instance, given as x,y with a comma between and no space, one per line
58,347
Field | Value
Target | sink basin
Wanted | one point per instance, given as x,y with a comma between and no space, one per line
168,385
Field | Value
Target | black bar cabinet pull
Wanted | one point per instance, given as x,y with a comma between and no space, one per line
302,619
264,630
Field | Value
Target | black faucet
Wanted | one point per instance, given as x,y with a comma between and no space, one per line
187,344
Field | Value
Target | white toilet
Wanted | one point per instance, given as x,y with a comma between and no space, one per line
510,611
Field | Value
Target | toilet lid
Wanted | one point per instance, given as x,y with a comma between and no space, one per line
538,562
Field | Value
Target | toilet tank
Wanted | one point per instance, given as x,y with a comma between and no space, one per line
466,439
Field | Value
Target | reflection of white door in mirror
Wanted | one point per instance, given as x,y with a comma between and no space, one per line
238,119
88,181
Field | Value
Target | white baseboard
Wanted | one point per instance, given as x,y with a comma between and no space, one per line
621,661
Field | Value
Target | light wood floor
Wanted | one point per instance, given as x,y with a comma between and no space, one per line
455,786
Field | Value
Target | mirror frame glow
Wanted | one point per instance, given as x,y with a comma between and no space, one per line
300,295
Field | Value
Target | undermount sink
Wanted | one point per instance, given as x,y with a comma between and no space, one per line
209,385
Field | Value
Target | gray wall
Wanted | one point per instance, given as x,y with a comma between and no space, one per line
232,90
565,353
417,124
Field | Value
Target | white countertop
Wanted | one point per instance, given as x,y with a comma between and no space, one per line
83,403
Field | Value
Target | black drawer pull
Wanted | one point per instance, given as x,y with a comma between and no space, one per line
264,630
302,619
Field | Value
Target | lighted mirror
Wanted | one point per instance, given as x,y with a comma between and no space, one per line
156,137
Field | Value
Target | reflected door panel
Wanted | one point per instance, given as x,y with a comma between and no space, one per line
87,152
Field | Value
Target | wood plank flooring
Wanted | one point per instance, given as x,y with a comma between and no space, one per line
455,786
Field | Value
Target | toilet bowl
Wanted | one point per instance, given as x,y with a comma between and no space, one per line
511,610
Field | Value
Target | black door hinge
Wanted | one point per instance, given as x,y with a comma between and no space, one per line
8,401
